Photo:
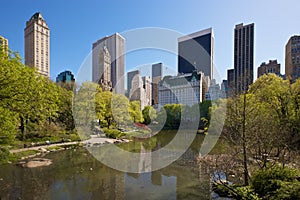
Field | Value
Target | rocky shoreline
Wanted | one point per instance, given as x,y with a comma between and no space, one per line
32,161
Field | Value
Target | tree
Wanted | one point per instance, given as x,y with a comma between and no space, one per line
173,115
120,110
8,126
135,112
23,91
65,111
84,108
103,109
149,114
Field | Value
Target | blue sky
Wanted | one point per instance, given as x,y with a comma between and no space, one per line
75,25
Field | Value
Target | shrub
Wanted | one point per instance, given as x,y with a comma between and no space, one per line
276,181
4,154
236,192
113,133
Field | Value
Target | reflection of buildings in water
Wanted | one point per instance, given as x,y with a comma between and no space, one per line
145,160
152,185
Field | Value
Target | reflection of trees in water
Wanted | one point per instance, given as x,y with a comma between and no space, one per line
76,174
79,175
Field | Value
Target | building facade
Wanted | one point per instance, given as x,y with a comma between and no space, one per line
243,56
130,76
65,77
147,85
37,44
140,89
224,88
112,47
214,92
230,82
156,77
3,44
186,89
195,52
105,69
292,58
271,67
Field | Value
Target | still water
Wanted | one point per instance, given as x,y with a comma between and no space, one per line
76,174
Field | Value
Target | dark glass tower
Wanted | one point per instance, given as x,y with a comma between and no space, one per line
65,77
195,52
243,56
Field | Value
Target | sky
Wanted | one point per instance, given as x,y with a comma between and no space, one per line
75,25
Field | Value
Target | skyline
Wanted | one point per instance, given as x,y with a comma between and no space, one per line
74,27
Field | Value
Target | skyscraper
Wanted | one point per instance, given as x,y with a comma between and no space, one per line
114,46
292,58
37,44
156,77
195,52
130,76
148,90
243,56
230,82
65,77
3,44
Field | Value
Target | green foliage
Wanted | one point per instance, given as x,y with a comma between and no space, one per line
34,103
269,181
113,133
4,154
204,109
173,115
204,123
103,109
120,110
84,104
65,111
135,111
8,126
287,191
236,192
149,114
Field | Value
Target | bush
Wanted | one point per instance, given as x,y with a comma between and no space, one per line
287,191
275,182
236,192
4,154
113,133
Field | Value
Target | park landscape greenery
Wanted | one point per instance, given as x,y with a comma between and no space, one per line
262,125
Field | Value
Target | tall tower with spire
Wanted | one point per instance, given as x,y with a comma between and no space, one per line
37,44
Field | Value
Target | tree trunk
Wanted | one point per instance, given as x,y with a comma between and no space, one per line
246,175
22,128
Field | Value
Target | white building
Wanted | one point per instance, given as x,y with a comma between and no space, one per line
140,89
186,89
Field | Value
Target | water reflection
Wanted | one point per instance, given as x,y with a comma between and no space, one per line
78,175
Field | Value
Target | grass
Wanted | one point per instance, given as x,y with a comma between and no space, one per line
17,156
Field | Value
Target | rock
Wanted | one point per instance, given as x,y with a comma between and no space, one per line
43,149
37,162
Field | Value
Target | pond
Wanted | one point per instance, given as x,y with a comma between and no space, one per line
76,174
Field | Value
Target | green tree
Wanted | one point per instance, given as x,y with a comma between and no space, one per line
8,126
120,110
65,111
149,114
84,108
135,112
103,109
173,115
